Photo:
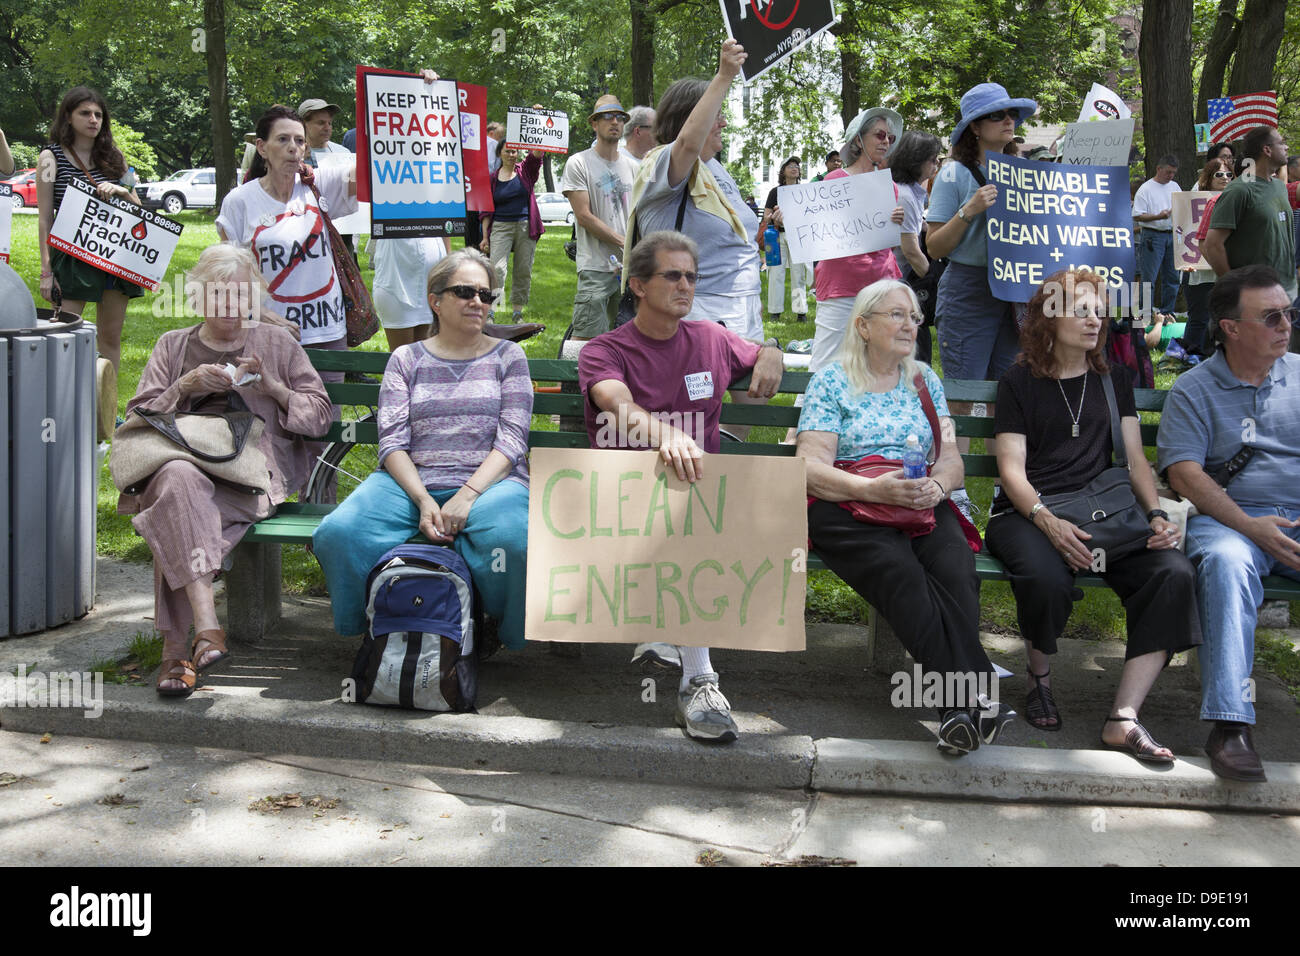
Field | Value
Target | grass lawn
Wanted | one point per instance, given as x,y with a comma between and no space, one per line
1098,615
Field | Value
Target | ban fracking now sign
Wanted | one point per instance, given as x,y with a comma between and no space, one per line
114,235
771,30
621,551
546,130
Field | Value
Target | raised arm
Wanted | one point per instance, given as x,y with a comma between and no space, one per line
695,131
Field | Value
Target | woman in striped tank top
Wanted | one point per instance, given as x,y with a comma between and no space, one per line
81,147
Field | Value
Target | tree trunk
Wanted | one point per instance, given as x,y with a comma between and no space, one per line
1223,41
1261,35
1165,55
643,52
223,140
850,62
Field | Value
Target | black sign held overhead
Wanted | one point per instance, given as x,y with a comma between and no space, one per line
770,30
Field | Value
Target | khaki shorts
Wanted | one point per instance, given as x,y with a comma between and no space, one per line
595,304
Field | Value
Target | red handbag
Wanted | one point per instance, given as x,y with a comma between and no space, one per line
911,521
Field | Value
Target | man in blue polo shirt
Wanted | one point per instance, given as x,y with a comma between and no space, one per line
1246,395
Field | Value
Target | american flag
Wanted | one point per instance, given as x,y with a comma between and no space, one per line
1232,117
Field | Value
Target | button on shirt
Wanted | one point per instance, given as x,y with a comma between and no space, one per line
1210,414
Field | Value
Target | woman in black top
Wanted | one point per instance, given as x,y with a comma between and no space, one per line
790,173
1054,436
81,147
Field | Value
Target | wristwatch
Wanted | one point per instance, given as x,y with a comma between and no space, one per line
1156,513
961,214
1038,506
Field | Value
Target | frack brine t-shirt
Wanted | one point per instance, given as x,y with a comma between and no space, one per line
292,248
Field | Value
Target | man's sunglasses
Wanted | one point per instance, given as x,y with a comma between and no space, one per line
1000,115
1274,319
676,275
468,292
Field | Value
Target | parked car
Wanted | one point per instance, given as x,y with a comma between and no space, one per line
555,208
183,188
24,186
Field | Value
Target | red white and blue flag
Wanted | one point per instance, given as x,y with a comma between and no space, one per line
1232,117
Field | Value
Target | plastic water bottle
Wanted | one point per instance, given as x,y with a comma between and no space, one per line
772,240
913,459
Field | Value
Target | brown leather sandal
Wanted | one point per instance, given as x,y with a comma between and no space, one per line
1138,742
207,641
178,670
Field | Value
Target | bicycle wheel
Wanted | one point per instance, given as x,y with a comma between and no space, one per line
340,468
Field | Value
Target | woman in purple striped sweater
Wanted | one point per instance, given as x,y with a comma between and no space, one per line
454,411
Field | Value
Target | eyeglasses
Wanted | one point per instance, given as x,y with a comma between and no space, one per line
1000,115
676,275
884,136
1222,175
1274,319
467,292
616,117
898,316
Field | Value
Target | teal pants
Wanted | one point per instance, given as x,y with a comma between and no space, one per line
379,515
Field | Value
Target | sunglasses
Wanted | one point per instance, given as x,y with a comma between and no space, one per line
1273,320
1222,175
1000,115
676,275
884,136
467,292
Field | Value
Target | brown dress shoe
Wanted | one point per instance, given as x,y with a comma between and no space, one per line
1232,753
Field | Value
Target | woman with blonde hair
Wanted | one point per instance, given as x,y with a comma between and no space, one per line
909,559
191,521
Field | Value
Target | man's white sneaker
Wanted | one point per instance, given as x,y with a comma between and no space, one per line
657,656
704,712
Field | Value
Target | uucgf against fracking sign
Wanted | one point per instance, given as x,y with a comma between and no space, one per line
546,130
770,30
1052,216
409,161
114,235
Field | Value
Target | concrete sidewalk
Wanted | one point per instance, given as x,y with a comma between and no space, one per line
820,719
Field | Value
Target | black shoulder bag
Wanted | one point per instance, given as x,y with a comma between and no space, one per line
1106,507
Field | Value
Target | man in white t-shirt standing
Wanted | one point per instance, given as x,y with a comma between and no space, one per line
597,182
318,122
1153,212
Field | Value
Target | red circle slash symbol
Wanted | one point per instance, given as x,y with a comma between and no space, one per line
767,18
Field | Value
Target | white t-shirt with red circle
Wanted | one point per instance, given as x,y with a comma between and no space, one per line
292,247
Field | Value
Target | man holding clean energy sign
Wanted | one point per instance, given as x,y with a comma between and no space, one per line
1051,216
409,147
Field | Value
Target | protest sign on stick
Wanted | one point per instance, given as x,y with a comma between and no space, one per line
409,165
845,216
771,30
546,130
1188,208
6,219
1098,143
114,235
1051,216
474,144
620,551
1103,103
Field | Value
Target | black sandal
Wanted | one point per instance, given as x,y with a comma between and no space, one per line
1040,705
1138,742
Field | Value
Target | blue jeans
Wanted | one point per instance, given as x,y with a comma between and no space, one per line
1155,260
1229,567
379,515
978,334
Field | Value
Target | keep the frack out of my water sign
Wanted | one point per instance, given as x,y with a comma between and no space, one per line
621,551
409,163
546,130
114,235
1053,216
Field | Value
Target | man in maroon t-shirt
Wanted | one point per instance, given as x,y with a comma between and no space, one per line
657,382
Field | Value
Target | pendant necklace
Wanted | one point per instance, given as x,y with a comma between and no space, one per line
1074,416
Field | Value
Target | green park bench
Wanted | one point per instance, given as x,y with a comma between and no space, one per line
253,588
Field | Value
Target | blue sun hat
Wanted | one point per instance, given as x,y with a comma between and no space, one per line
989,98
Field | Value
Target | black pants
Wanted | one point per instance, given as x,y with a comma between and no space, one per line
925,587
473,230
1158,589
1197,334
